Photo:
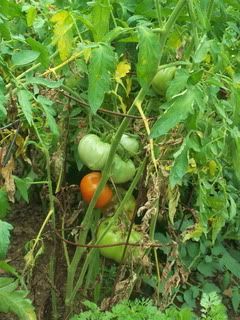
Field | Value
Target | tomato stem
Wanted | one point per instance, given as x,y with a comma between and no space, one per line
159,13
193,20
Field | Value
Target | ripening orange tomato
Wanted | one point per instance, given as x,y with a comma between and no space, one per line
88,186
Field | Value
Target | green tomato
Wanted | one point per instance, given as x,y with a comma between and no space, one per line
130,144
116,234
122,171
161,81
93,152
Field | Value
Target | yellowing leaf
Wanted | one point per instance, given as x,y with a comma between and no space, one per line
22,148
31,16
192,166
212,166
63,47
230,71
174,41
63,33
122,70
195,232
217,223
60,16
208,58
87,54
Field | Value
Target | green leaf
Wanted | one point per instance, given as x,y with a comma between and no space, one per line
22,187
207,269
3,111
8,268
218,222
15,301
100,16
42,49
31,16
24,57
180,165
209,299
209,287
235,151
113,34
235,298
4,204
44,82
47,107
202,50
102,64
178,110
148,56
10,8
178,84
5,229
230,263
5,32
24,99
190,296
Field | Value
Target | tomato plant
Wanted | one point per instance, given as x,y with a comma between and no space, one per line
163,72
88,186
117,234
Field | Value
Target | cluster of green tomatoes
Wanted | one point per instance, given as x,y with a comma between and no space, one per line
93,153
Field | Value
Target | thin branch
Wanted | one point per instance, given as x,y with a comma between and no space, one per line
118,244
118,114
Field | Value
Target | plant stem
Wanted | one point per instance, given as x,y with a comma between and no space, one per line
152,232
210,10
159,13
112,15
169,24
194,19
52,264
32,68
105,122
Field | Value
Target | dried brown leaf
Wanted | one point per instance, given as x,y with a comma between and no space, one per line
7,172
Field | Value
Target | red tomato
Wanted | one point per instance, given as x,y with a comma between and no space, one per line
88,186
